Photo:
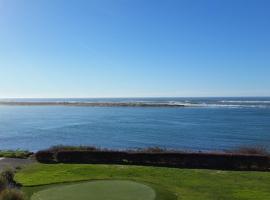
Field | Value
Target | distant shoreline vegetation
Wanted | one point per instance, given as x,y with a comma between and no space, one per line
15,153
91,104
212,102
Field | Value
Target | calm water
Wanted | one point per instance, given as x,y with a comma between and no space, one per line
204,124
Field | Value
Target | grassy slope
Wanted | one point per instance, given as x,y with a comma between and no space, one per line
187,184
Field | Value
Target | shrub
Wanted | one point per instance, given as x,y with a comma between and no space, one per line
3,184
11,194
7,175
241,159
45,156
8,187
112,157
167,159
7,179
49,155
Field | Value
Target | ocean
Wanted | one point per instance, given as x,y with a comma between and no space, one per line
198,124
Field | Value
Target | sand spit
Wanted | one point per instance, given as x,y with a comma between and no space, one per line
91,104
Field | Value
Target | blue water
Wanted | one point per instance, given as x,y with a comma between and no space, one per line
204,124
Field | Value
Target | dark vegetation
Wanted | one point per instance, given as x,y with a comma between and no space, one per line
242,159
9,189
91,104
49,155
72,148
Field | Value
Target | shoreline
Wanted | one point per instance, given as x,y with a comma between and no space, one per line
91,104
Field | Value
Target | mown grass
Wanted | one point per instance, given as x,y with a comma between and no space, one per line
161,193
100,190
187,184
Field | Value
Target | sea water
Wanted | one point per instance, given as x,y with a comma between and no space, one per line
204,124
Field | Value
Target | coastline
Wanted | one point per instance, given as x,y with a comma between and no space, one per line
91,104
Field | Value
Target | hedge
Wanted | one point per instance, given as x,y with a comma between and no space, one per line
223,161
45,157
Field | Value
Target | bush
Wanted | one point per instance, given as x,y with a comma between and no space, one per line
3,184
186,160
49,155
11,194
45,156
106,157
7,175
7,179
241,159
8,187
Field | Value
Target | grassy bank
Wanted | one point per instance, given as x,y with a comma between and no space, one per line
187,184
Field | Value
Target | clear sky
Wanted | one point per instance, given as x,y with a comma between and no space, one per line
134,48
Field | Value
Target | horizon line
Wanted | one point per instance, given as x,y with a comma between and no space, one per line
134,97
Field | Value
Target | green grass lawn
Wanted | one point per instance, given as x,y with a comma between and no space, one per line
186,184
98,190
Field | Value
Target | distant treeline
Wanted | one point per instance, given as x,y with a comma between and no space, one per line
244,159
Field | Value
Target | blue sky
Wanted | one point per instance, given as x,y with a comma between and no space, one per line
134,48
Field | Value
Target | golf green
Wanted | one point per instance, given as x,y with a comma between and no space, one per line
98,190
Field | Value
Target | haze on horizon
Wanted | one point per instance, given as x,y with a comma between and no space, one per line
124,48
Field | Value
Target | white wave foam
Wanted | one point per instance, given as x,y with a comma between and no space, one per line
235,106
215,105
245,101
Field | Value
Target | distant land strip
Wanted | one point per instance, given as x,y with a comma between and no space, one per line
91,104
